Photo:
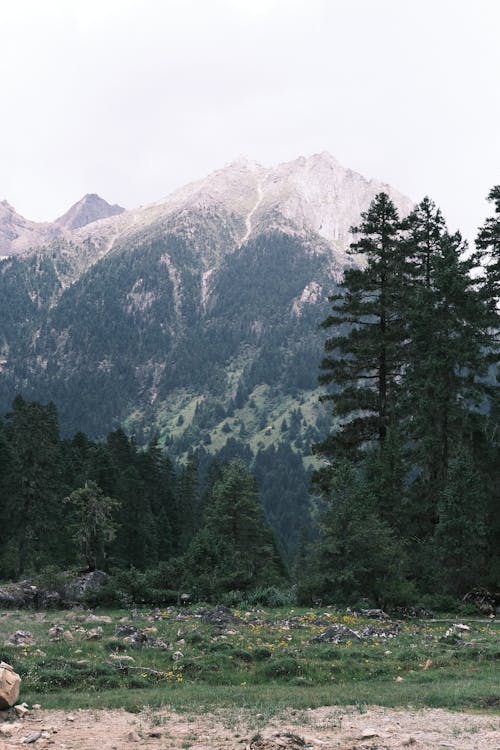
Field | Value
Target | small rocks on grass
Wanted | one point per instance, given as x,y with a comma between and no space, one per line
336,634
377,614
20,638
121,657
94,634
99,619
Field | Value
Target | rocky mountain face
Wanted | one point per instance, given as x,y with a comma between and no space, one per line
20,236
87,210
195,318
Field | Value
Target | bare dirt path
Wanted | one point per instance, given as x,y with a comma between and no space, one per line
342,728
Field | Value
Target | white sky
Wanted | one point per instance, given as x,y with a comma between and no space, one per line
133,98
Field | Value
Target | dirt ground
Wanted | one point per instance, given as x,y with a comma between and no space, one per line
342,728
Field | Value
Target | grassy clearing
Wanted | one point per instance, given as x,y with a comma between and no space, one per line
263,660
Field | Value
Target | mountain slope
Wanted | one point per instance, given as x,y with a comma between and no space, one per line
195,319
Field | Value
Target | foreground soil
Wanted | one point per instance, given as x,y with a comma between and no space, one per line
342,728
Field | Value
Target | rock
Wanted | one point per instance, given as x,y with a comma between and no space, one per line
121,657
20,638
33,737
336,634
17,595
140,638
21,710
177,655
25,594
10,728
102,619
377,614
485,601
9,685
56,633
220,616
133,736
80,588
94,634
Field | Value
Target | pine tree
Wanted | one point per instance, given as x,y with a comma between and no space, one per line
358,553
235,549
34,515
364,354
488,244
447,356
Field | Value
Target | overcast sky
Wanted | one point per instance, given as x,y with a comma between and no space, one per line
133,98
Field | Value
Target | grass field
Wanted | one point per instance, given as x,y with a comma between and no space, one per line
266,660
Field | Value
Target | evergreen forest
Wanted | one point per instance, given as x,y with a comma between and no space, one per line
400,504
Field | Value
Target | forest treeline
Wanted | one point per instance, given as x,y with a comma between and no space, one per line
410,483
74,503
405,496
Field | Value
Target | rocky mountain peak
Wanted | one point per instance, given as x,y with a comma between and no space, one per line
88,209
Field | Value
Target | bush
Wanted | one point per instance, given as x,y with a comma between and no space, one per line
272,596
282,668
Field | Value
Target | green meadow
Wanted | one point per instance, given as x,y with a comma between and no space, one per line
266,660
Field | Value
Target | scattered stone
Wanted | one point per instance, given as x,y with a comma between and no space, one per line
56,632
368,734
372,631
102,619
33,737
278,742
177,655
9,685
336,634
220,616
399,679
70,717
121,657
412,613
140,638
133,736
21,710
20,638
376,614
9,728
36,706
409,741
94,634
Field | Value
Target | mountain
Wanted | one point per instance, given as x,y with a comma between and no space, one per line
20,236
88,209
195,319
